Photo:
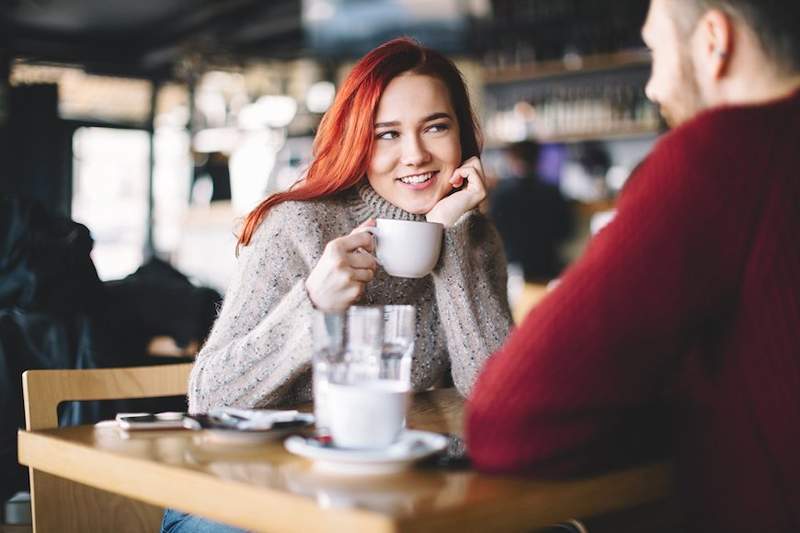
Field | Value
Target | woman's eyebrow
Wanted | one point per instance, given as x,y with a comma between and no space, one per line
432,116
436,116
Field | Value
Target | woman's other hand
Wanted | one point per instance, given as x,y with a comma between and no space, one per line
450,208
346,266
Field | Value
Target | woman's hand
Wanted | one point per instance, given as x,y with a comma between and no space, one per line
450,208
346,266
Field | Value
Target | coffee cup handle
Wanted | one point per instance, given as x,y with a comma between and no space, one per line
375,232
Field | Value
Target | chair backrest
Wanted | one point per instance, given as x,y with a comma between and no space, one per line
65,506
44,390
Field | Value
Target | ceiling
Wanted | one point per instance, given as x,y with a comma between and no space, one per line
148,38
168,38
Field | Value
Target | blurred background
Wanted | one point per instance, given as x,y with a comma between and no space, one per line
159,123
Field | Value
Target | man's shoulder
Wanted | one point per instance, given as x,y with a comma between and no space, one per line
725,147
729,132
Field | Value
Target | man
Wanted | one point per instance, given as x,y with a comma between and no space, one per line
532,217
683,317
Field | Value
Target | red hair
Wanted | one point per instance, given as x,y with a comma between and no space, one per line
344,140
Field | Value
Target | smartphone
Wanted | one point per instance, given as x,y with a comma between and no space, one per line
136,421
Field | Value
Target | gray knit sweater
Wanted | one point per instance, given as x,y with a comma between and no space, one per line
259,350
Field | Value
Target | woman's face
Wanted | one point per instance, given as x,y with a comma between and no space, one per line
417,143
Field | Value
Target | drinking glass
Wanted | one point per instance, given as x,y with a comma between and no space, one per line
363,347
328,331
362,374
399,333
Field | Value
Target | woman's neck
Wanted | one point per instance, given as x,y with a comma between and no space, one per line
367,203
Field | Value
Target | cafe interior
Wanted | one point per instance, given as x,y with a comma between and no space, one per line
135,136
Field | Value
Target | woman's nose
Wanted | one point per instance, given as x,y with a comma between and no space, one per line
414,151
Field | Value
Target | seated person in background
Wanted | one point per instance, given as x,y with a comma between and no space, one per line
532,217
400,141
681,324
584,176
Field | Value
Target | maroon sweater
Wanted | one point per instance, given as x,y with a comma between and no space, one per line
680,325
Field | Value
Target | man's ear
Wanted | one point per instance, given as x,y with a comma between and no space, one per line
714,43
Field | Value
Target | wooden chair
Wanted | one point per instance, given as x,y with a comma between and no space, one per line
65,506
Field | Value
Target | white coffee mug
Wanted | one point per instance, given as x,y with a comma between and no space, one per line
407,248
367,415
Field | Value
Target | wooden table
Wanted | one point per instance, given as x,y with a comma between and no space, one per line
264,488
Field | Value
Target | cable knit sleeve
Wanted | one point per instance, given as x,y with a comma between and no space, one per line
259,350
471,295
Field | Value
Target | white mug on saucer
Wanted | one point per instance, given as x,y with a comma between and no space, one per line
407,248
367,415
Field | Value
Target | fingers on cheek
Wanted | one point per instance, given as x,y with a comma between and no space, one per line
476,180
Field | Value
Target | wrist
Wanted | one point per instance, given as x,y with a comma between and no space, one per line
439,217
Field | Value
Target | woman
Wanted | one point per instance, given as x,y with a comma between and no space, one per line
400,141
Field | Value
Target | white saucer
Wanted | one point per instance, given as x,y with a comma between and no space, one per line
411,446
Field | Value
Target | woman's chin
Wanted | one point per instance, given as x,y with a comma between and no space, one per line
417,208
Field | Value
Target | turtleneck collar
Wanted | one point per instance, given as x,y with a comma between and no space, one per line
366,203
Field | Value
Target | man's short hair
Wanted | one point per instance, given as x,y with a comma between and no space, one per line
775,22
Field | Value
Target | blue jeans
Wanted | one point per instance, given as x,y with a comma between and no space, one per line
178,522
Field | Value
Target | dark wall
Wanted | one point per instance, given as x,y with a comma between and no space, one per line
527,30
4,70
37,162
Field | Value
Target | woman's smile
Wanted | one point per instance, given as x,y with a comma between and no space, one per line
418,182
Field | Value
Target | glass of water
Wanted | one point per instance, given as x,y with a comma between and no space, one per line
365,326
346,350
328,331
399,333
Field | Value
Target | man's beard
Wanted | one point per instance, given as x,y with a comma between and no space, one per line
690,101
